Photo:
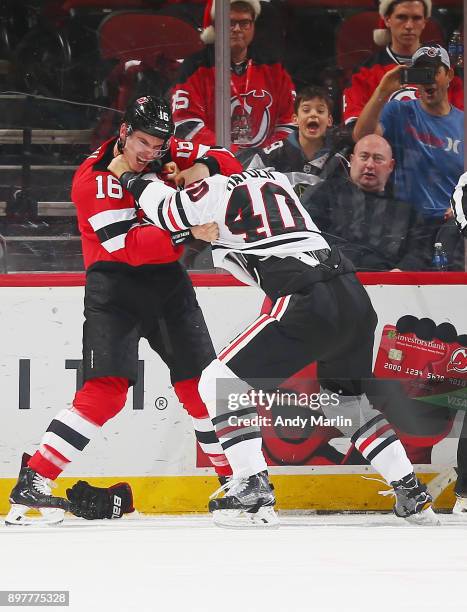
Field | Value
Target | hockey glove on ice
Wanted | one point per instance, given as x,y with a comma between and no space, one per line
92,503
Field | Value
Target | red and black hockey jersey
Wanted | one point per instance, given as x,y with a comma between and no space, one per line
367,77
110,227
263,91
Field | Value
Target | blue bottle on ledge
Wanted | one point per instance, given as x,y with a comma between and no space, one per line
440,258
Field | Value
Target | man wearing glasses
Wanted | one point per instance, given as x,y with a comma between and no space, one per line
262,91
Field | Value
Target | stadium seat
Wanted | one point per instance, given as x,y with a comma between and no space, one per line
114,5
140,36
332,4
146,49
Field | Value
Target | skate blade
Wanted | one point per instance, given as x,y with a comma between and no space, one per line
424,517
48,516
460,507
265,518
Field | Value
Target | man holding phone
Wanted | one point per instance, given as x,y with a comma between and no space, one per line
399,35
427,134
421,76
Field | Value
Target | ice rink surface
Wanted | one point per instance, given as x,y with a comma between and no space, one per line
332,563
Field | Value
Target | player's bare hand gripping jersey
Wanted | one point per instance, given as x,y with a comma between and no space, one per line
257,212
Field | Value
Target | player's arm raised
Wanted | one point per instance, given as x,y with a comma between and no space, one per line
213,160
167,208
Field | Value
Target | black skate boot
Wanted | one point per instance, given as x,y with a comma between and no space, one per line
33,491
225,479
248,502
413,502
460,489
460,507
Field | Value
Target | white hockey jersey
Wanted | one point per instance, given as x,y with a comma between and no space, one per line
459,204
257,212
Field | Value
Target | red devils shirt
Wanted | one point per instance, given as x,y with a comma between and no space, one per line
368,76
262,90
111,229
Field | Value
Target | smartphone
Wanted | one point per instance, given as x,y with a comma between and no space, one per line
417,76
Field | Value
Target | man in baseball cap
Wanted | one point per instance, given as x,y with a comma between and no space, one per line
434,96
399,33
427,135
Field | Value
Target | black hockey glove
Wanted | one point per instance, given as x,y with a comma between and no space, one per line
92,503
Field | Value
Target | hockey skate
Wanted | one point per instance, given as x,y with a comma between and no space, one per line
460,507
224,480
460,490
248,502
33,491
413,502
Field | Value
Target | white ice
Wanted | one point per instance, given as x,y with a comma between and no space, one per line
336,563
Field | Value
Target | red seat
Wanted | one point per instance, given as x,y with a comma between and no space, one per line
115,5
148,47
359,4
140,36
354,39
332,4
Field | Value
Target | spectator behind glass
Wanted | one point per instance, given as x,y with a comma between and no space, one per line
402,24
315,148
374,230
427,136
262,92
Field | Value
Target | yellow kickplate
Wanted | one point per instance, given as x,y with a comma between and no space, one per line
181,494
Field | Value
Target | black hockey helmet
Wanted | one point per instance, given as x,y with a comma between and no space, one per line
151,115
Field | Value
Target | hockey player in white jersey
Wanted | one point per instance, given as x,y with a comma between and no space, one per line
321,313
459,209
459,204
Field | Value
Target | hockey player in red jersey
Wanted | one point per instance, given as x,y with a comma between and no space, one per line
321,313
135,287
